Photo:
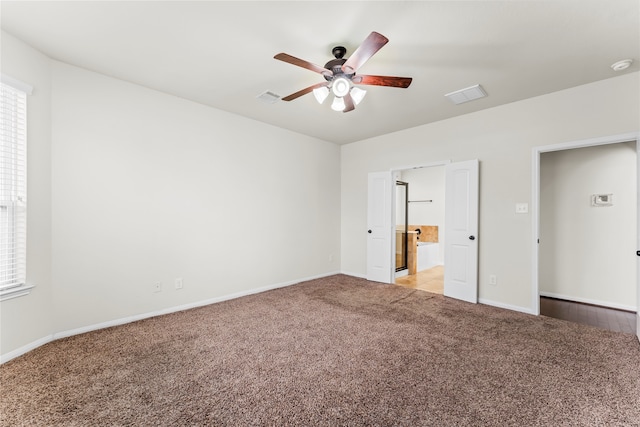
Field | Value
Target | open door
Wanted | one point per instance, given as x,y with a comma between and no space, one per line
638,237
461,229
379,227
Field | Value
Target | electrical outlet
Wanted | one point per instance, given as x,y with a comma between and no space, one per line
157,287
493,280
522,208
178,283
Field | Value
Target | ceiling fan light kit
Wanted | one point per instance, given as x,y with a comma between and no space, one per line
357,94
321,93
340,86
338,104
340,75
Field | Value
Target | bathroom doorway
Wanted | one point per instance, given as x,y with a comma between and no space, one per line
461,208
420,228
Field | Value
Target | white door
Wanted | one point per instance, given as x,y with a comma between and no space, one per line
638,244
379,227
461,229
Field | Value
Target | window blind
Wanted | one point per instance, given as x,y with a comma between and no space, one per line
13,186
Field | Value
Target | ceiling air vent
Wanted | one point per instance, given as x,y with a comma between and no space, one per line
465,95
269,97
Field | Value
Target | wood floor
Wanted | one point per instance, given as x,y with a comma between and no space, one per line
431,280
600,317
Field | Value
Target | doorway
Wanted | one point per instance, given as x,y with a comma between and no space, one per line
420,209
461,220
585,215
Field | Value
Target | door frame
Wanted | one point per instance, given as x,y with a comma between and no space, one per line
535,202
394,248
393,197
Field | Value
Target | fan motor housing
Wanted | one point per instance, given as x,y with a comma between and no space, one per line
335,65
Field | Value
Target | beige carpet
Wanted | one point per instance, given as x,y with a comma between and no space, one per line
333,351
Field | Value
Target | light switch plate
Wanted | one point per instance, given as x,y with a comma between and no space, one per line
522,208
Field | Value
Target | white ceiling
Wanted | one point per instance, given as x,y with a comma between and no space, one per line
220,53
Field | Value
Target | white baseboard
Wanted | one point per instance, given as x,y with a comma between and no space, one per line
590,301
526,310
124,320
358,275
4,358
183,307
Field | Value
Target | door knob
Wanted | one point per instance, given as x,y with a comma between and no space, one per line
472,237
638,253
369,231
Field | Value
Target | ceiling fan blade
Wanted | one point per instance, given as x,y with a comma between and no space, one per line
401,82
304,91
349,104
366,50
302,63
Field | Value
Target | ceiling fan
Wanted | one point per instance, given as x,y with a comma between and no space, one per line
340,74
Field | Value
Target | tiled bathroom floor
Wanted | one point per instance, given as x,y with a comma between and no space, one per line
431,280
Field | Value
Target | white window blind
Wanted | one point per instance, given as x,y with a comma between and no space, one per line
13,186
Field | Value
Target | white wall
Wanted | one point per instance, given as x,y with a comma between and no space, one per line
427,184
148,187
128,186
502,139
28,319
587,253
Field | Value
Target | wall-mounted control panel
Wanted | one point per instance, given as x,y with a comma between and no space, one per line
600,200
